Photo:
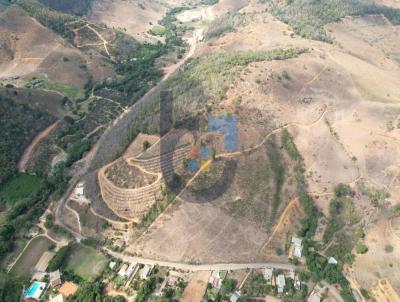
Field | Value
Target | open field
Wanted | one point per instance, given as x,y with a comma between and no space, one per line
31,255
196,288
19,187
379,263
86,262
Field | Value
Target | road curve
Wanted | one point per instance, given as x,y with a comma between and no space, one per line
203,267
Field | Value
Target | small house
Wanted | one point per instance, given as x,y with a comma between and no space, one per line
280,283
79,190
216,279
268,275
297,247
112,265
332,260
119,243
55,279
58,298
235,296
122,270
130,269
146,271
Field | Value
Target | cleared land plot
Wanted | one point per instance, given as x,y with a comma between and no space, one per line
86,262
33,252
196,288
380,262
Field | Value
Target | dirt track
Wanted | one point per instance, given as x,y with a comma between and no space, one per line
28,151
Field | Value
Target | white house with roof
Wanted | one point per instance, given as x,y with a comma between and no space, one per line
235,296
280,283
122,270
146,271
332,260
130,269
297,247
216,279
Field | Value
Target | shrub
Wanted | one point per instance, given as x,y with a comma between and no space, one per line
361,248
389,248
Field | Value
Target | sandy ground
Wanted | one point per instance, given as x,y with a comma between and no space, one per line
137,18
199,233
196,288
377,263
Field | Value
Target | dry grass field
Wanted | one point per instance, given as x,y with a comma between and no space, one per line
381,261
196,288
29,49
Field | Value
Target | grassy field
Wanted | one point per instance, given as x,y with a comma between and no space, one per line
71,92
86,262
31,256
19,187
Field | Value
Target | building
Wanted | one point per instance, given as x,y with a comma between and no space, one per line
58,298
280,283
112,265
55,279
146,271
122,270
332,260
119,243
216,279
235,296
268,275
297,247
130,269
80,190
35,292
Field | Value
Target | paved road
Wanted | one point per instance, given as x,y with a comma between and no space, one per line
202,267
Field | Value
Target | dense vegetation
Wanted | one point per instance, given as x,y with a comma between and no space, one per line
50,18
308,18
10,287
77,7
57,261
19,124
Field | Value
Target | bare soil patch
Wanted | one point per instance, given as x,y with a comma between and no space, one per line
196,288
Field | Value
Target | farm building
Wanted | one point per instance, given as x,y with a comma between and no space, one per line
280,282
35,291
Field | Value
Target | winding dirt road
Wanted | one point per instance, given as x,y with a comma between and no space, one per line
29,150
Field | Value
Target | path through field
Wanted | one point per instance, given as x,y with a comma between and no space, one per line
28,151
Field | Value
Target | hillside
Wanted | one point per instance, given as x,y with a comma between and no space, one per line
213,133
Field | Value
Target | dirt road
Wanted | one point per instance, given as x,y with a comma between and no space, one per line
203,267
28,151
